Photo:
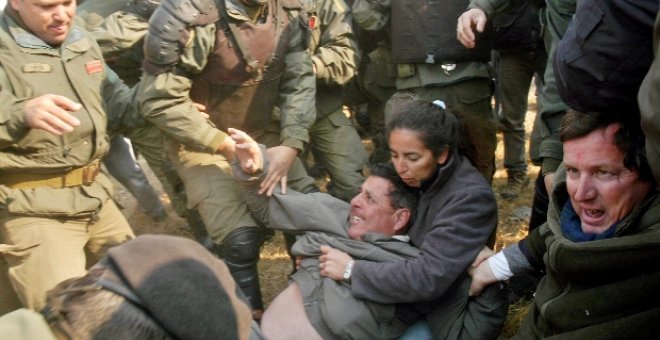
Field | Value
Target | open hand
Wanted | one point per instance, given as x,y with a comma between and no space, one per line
247,151
332,262
52,113
280,159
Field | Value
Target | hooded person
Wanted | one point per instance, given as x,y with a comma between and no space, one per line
152,287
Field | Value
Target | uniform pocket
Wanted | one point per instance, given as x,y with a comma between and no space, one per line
472,92
339,119
19,236
44,201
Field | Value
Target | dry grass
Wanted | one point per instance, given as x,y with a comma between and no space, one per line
275,266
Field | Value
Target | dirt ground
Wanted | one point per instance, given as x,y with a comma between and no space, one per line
275,266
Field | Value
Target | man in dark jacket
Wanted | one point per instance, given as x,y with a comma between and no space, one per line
601,243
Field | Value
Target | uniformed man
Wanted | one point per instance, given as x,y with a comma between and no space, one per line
558,14
119,27
54,203
431,63
239,59
521,55
335,142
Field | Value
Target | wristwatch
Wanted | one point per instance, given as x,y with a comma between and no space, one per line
348,270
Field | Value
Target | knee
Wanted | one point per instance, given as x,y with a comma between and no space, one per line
241,247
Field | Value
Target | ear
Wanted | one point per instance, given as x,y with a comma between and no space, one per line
443,156
14,4
401,218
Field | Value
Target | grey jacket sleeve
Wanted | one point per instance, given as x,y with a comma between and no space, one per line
295,212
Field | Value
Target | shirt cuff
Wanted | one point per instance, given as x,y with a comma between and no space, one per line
216,141
293,143
500,266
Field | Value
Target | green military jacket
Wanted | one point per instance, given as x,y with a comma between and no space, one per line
558,14
166,102
334,51
31,68
374,15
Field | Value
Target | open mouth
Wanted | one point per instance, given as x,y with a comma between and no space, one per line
592,216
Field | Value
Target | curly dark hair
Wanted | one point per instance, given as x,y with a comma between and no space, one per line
402,196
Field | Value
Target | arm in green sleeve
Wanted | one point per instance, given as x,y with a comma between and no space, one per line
490,7
165,97
297,91
12,116
120,103
120,31
12,119
551,148
371,15
335,51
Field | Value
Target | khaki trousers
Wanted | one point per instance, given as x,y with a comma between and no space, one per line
41,252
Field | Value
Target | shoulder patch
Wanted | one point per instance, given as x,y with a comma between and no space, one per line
94,66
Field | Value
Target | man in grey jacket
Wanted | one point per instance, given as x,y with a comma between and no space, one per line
371,228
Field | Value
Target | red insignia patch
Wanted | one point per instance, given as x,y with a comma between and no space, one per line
93,67
312,21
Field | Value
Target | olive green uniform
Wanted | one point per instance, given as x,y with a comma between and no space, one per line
191,140
465,86
545,147
120,35
334,140
53,206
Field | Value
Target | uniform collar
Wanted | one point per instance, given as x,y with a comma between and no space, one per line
75,41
